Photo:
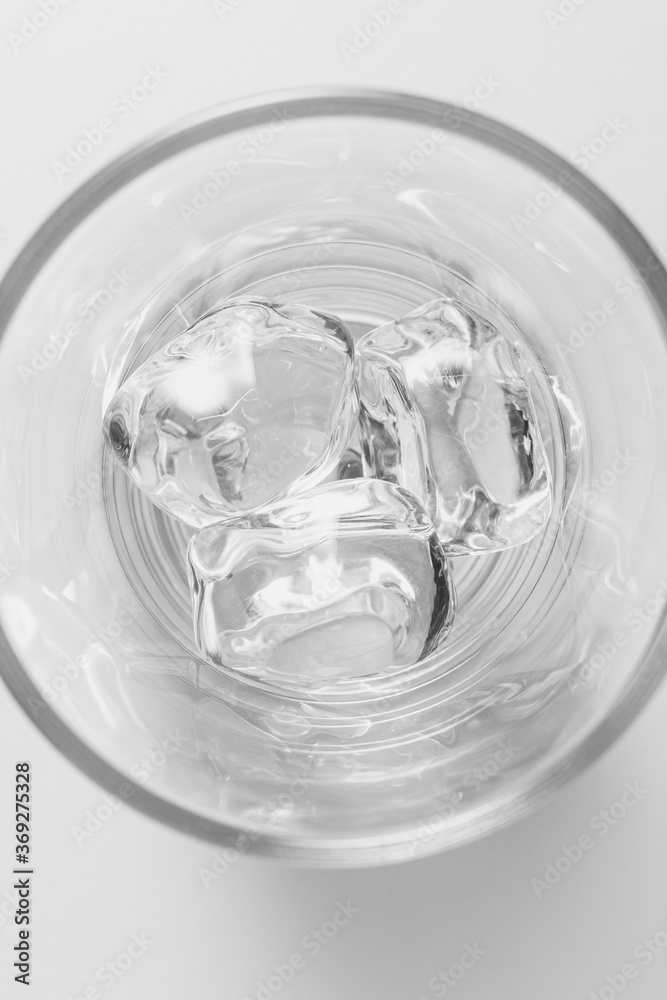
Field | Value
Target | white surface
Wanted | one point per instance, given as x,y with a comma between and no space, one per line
558,83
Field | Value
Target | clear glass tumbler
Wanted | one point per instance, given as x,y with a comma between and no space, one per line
365,205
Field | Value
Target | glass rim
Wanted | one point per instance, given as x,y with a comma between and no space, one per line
304,103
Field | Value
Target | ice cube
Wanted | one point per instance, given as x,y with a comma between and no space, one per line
345,581
254,403
446,412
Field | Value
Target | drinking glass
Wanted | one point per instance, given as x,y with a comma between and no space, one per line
365,205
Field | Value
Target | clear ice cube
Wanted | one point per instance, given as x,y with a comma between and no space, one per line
254,403
446,412
345,581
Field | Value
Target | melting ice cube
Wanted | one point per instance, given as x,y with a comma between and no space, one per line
345,581
446,412
255,402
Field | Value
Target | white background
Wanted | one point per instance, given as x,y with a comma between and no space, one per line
558,82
